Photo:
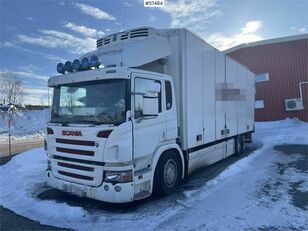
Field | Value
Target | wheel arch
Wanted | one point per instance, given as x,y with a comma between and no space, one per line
163,149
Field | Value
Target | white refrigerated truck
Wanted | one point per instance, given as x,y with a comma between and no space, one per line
142,112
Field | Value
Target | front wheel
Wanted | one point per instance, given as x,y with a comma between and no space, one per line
167,174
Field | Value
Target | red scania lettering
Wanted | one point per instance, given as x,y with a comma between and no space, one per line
71,133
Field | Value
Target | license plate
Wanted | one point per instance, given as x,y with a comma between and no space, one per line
73,189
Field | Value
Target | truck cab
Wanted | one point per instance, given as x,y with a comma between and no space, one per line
106,129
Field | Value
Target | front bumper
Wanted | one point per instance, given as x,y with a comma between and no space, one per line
106,192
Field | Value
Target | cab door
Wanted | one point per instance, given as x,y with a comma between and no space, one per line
149,132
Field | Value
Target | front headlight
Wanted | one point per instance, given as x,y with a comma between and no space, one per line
119,176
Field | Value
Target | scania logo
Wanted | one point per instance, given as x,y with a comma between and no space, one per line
71,133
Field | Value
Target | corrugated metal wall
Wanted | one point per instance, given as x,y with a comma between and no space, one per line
287,65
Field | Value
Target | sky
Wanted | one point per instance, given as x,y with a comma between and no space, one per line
36,35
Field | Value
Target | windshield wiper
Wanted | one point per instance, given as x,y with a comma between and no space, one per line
63,123
86,122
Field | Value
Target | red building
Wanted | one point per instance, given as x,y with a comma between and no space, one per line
281,68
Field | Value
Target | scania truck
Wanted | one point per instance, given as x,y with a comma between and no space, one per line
142,112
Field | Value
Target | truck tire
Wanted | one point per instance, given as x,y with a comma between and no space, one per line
239,144
167,174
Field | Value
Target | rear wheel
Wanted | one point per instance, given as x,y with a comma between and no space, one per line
239,144
167,174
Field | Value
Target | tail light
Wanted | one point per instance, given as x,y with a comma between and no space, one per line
104,134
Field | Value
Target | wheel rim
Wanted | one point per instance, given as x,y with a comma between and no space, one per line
170,173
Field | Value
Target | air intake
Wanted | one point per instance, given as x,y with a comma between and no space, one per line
136,33
144,32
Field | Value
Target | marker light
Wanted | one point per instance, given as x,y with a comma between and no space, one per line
94,61
68,66
76,65
60,68
85,64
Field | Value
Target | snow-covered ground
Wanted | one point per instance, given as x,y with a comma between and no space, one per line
254,193
25,124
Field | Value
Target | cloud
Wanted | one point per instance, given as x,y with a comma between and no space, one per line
7,44
29,19
248,34
128,4
194,14
84,30
37,90
35,95
94,12
53,57
31,75
57,39
300,30
152,18
251,26
46,56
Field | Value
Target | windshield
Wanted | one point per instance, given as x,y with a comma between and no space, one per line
96,102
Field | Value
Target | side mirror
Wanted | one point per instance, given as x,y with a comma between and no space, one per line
150,105
153,88
150,99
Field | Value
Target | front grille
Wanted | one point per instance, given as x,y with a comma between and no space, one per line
78,167
75,151
76,142
79,160
74,175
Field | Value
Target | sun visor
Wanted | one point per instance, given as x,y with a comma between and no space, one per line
133,53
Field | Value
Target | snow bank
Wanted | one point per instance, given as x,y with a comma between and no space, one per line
25,124
227,202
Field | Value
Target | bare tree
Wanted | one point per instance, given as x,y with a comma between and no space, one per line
11,89
70,100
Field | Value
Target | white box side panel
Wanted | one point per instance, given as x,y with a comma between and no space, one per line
209,133
250,88
198,69
243,105
194,96
220,105
176,68
231,96
173,69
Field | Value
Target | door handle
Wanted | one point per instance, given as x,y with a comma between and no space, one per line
163,136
